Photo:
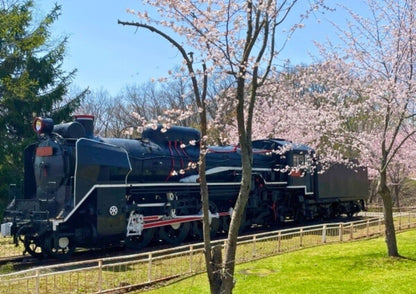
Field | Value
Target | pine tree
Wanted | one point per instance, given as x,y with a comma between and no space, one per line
32,83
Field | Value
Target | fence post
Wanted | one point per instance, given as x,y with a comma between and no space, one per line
408,222
379,225
254,246
368,228
324,234
37,274
400,220
351,231
100,275
341,231
191,250
149,269
279,241
300,237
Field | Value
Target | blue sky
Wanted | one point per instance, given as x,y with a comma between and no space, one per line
110,56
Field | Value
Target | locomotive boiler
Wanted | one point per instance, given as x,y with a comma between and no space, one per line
80,190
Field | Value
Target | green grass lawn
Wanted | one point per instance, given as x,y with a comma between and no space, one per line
355,267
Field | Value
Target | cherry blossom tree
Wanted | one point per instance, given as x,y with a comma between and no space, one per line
226,38
380,48
360,100
312,105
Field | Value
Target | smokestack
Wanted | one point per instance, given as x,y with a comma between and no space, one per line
87,121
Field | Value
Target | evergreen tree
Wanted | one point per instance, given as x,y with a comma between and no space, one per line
32,83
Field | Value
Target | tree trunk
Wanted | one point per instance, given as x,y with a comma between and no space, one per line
244,133
215,284
231,243
385,193
214,280
213,260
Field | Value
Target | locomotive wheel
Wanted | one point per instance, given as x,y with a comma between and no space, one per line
226,221
197,226
299,217
32,247
60,247
140,241
198,232
176,233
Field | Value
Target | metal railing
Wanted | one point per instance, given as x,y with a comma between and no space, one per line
134,271
8,249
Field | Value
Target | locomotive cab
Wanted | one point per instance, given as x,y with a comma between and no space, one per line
293,161
295,169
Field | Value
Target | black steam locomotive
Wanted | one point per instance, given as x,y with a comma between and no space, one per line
85,191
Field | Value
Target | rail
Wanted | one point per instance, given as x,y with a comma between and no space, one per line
126,273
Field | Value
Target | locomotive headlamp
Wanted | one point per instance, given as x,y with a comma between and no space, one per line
43,125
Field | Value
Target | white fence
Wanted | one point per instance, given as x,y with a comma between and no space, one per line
139,270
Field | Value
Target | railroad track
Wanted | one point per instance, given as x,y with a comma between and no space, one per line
23,262
26,261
